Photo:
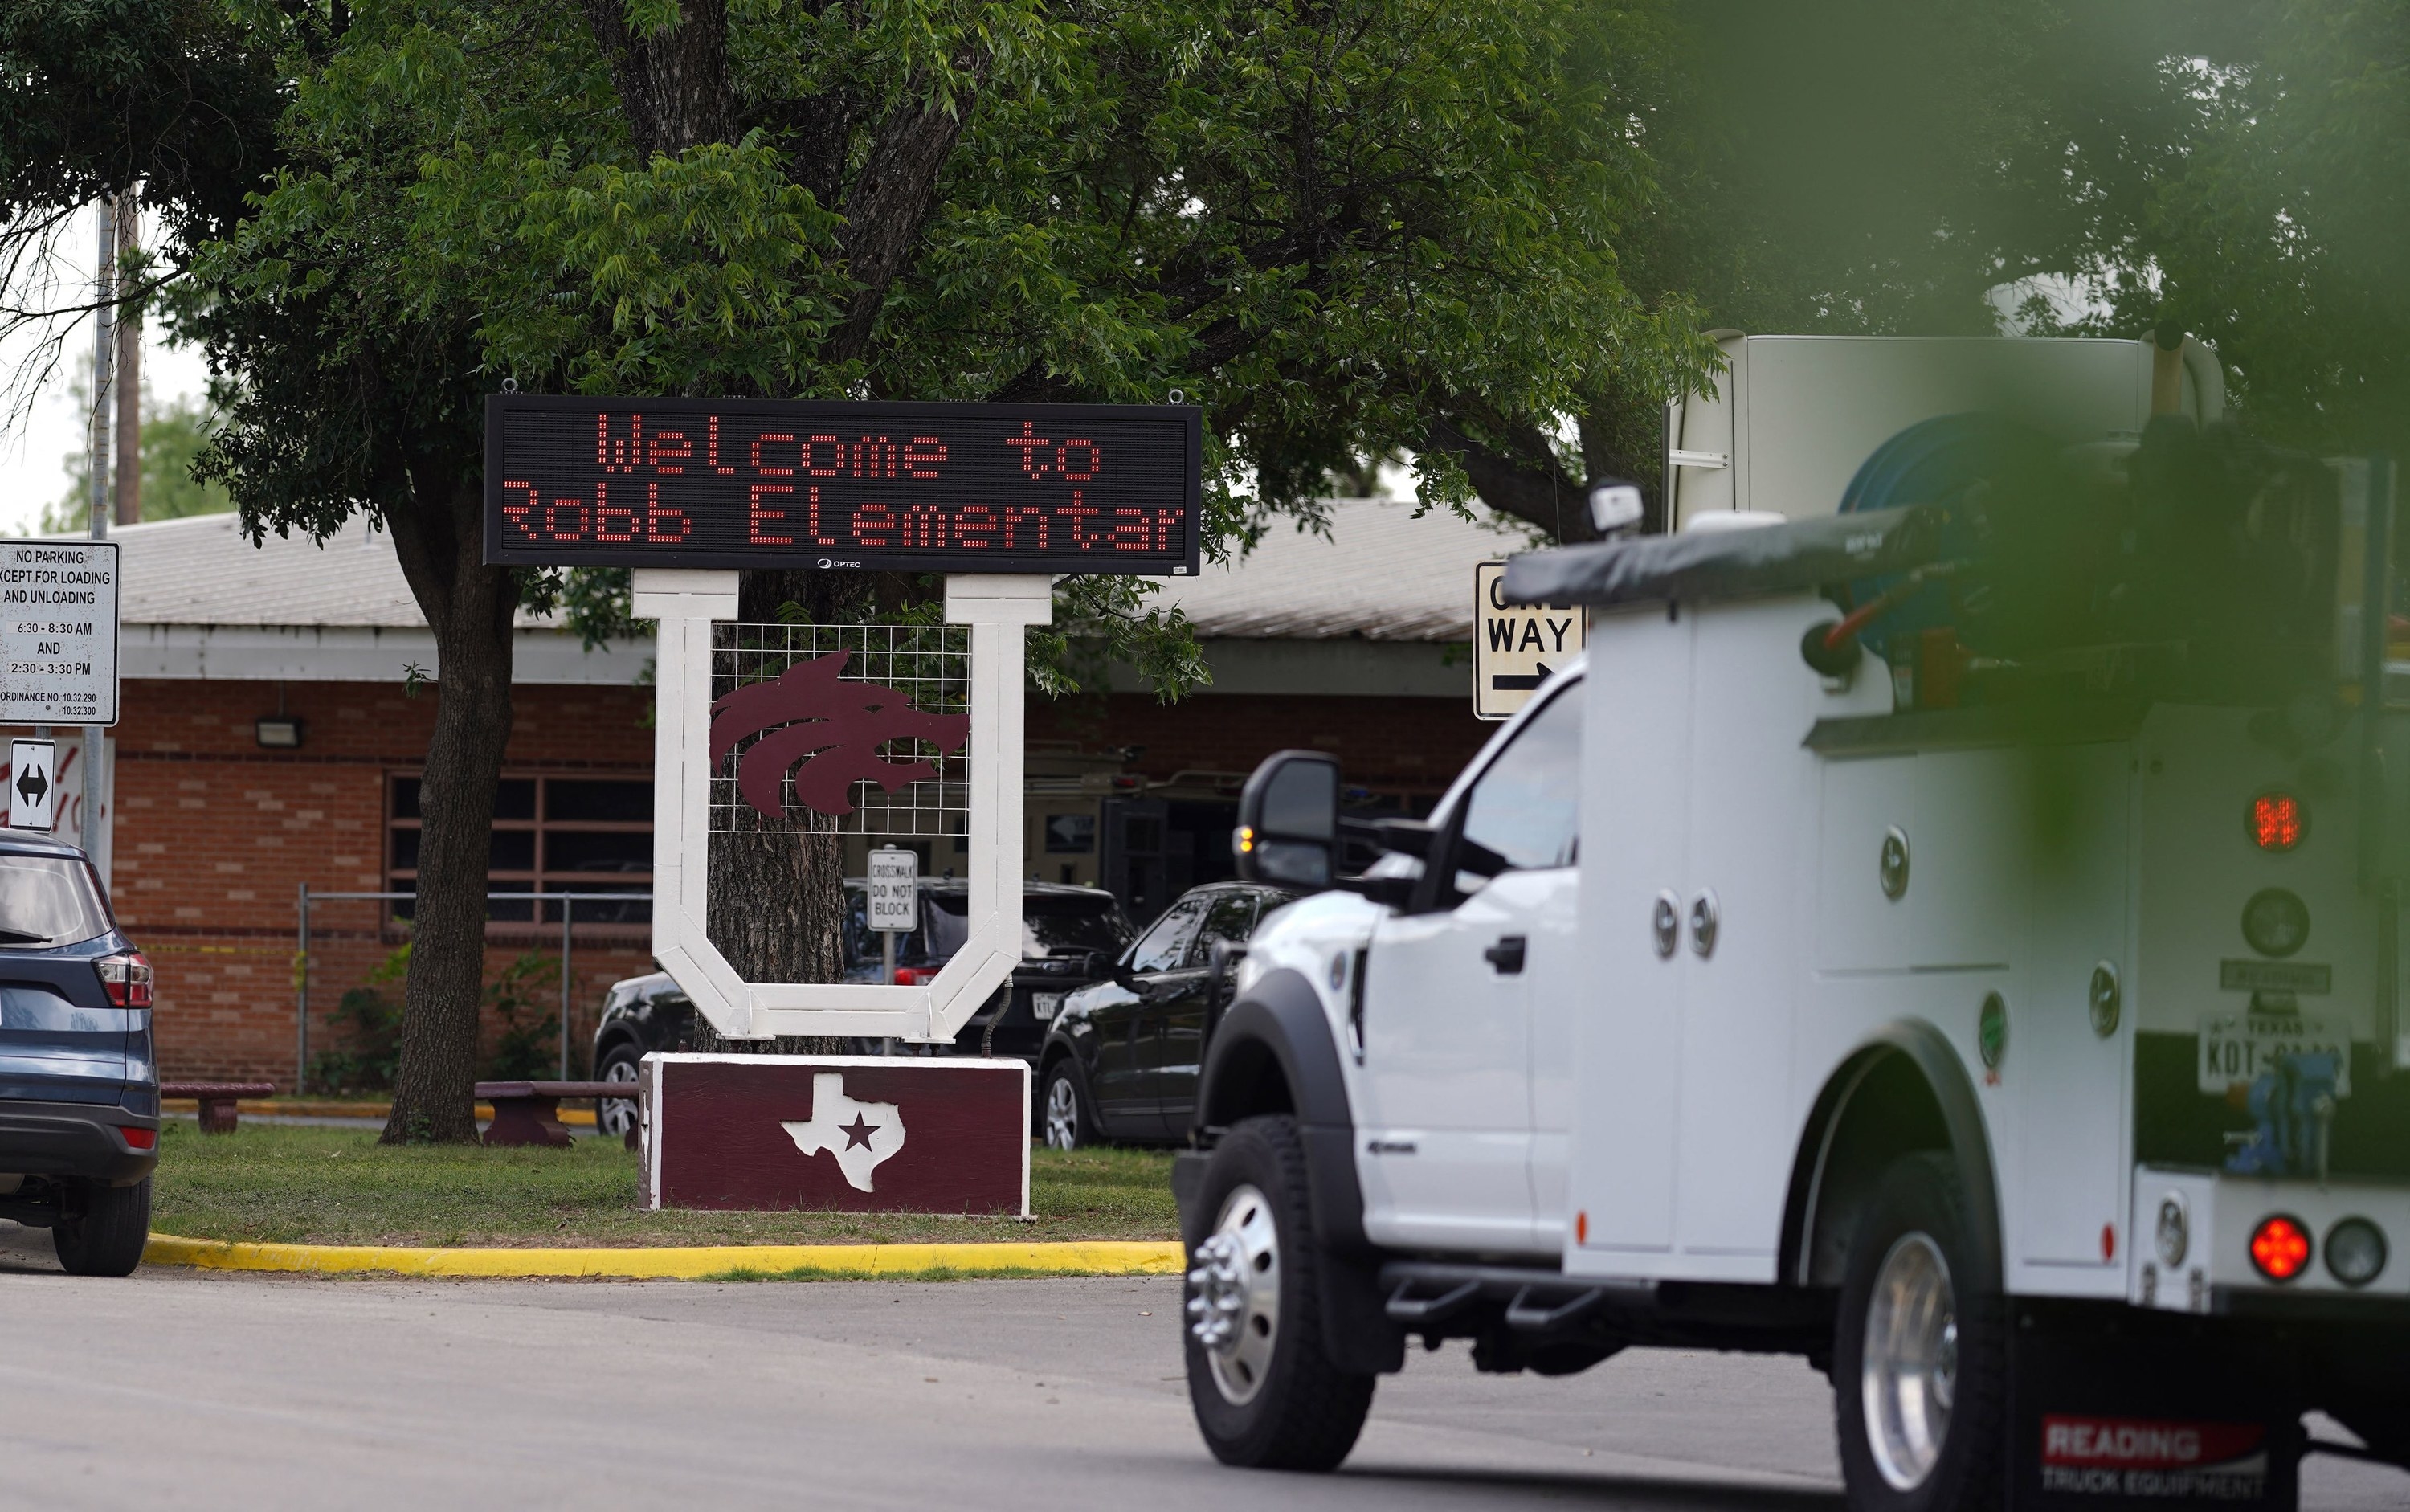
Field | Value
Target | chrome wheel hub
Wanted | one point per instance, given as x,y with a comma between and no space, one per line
1909,1374
1234,1296
1062,1113
615,1116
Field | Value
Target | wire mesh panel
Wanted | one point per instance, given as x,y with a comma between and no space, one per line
840,729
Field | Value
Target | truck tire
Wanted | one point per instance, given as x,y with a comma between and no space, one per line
1265,1392
1920,1362
104,1236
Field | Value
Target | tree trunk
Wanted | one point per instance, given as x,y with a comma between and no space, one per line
469,606
777,908
673,83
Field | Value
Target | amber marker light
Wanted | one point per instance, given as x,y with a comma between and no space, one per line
2280,1248
2276,822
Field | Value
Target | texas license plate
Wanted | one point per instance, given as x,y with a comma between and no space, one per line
2237,1047
1045,1005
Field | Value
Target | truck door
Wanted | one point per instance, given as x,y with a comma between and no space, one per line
2071,1073
1628,1028
1753,783
1444,1147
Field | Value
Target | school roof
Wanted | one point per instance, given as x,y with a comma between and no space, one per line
1379,573
202,599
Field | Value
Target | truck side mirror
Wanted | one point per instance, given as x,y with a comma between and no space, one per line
1288,821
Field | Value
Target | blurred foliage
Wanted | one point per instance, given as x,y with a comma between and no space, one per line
368,1024
2231,168
173,437
2272,220
527,1036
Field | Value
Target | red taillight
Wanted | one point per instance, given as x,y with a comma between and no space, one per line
2277,821
141,1138
2280,1248
125,978
915,976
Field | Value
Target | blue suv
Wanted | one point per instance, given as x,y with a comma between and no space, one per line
79,1085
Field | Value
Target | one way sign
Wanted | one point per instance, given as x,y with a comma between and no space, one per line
1516,647
33,785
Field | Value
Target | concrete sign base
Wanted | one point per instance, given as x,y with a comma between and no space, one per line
836,1133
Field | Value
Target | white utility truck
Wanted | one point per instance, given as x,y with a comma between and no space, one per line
1955,936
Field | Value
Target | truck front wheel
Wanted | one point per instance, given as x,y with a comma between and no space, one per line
1265,1392
1919,1364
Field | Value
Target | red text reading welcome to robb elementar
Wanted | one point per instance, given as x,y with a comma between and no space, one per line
796,514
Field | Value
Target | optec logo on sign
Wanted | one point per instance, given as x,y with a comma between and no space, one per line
2140,1458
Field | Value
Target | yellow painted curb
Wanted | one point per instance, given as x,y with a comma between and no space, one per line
1073,1258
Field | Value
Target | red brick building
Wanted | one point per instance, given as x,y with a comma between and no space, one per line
277,702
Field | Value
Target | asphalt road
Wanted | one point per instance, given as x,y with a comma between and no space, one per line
214,1390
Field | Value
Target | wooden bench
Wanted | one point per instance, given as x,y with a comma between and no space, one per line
217,1099
528,1113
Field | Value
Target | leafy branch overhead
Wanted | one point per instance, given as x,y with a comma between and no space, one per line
1328,224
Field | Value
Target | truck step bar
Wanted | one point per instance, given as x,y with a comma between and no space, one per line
1444,1300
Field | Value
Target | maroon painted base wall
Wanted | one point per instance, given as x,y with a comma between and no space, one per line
851,1134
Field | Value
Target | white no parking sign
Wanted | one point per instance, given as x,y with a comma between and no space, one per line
58,633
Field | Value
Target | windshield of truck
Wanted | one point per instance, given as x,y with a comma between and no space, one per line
1524,808
48,900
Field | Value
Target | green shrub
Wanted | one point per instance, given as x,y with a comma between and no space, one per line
367,1021
526,1047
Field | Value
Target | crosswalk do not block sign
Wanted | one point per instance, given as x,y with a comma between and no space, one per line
1516,647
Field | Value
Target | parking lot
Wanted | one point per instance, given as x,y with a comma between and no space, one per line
211,1391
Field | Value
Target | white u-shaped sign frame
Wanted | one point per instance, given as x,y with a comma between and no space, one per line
999,609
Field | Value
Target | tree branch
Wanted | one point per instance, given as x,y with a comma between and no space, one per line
893,196
1520,476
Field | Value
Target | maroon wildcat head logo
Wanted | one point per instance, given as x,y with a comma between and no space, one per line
828,732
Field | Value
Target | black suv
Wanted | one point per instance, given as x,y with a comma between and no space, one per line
1121,1058
78,1086
1069,938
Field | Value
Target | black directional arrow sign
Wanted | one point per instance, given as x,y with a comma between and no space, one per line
33,797
1506,682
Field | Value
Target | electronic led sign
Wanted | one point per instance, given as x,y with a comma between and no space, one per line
773,483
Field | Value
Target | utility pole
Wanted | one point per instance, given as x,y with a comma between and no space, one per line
129,376
103,355
104,352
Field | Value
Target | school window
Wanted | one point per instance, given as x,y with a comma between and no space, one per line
581,834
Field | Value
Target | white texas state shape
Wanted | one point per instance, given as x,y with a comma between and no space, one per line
859,1134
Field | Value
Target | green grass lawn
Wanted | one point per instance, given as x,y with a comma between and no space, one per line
310,1185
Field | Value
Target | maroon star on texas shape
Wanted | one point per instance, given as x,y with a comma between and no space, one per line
857,1133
